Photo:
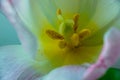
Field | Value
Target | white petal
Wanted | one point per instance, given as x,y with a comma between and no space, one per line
35,13
67,73
28,40
109,55
117,22
86,9
75,6
22,8
15,64
49,9
106,11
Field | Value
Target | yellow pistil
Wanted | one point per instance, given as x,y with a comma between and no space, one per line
68,34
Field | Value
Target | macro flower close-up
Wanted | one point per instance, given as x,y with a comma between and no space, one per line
62,40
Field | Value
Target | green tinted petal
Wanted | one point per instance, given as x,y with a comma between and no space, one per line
117,23
36,13
97,37
110,18
85,8
106,11
48,7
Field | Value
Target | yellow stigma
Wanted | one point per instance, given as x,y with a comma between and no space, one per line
68,34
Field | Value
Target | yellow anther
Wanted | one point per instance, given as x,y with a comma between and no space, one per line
54,35
59,15
59,12
84,33
75,39
75,19
62,44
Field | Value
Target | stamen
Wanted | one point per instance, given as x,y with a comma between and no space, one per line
84,33
59,15
75,39
59,12
54,35
68,34
62,44
75,19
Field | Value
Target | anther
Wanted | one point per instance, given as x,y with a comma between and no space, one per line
75,19
59,15
59,12
84,33
54,35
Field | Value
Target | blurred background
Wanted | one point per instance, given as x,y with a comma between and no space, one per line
8,35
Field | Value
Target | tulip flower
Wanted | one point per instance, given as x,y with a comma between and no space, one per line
73,36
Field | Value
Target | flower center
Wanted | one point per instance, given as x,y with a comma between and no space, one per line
69,36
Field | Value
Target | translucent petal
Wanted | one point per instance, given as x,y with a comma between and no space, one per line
22,8
85,8
36,13
15,64
117,23
97,37
106,11
49,9
66,73
107,15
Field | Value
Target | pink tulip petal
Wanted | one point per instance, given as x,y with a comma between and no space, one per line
27,39
109,55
